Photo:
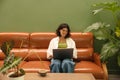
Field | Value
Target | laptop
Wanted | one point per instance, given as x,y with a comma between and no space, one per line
63,53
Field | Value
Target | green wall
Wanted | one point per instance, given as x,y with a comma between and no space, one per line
46,15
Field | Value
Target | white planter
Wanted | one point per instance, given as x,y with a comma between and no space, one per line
3,77
16,78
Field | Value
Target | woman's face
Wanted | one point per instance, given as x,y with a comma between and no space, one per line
63,32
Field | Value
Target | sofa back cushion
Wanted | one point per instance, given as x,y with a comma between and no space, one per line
41,40
17,37
84,45
83,40
21,42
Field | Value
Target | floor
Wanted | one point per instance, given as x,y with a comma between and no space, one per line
114,77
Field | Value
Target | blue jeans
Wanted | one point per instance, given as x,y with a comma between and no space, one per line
64,66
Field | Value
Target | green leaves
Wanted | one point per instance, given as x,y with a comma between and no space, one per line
10,61
101,30
97,11
7,46
117,32
110,6
109,49
8,66
110,34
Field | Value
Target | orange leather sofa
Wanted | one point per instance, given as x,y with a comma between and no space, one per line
32,48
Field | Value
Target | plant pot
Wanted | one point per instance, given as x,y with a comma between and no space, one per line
43,73
3,77
15,78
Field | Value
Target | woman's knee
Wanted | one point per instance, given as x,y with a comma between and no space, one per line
56,62
66,62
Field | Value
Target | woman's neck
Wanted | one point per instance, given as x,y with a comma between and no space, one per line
62,39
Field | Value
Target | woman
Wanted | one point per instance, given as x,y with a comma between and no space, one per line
62,40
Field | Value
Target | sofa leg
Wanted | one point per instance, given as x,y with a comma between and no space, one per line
105,71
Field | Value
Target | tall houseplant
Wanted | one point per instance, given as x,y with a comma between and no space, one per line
103,31
11,61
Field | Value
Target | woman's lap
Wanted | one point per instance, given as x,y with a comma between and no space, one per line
66,65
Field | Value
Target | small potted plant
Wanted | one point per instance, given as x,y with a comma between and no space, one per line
11,62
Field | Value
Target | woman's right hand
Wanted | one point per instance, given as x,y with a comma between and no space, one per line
51,56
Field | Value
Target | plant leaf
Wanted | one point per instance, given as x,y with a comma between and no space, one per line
100,30
92,27
11,65
97,11
100,35
7,46
108,50
111,6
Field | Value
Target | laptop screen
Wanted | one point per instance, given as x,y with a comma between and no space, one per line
64,53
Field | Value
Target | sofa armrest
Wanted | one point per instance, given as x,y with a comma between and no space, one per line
105,71
96,59
103,65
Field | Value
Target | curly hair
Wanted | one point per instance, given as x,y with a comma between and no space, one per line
61,26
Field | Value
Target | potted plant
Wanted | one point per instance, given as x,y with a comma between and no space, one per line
110,34
11,61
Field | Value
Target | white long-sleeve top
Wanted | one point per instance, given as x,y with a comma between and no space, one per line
54,45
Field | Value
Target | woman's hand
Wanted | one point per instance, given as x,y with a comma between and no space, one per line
51,56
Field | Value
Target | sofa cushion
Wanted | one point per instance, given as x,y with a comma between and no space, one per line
2,56
21,39
40,40
84,45
85,54
20,52
1,63
89,67
83,40
37,55
35,66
